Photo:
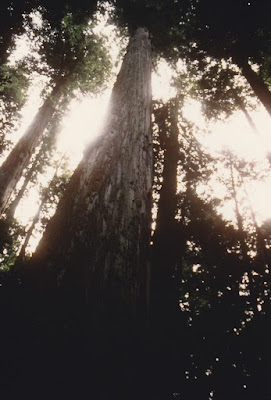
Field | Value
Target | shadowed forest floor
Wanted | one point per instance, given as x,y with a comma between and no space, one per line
49,350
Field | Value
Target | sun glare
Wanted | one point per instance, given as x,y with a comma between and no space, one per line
82,125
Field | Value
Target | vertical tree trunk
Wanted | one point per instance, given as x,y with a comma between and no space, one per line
167,241
168,201
257,84
243,245
98,240
12,169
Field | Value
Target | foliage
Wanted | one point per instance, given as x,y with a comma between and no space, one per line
13,90
10,239
71,51
219,87
163,19
223,293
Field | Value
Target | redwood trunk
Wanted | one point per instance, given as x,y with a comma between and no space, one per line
167,242
97,243
12,169
257,84
168,200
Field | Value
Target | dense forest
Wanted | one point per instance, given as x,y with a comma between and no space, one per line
151,278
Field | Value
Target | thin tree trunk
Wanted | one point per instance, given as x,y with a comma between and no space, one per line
98,241
12,169
36,218
261,246
29,233
252,125
250,121
12,207
244,247
257,84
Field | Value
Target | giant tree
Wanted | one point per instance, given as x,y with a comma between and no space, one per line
98,240
114,198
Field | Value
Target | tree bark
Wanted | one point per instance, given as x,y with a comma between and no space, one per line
168,200
12,169
167,241
257,84
98,241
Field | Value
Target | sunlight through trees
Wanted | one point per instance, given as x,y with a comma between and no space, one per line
135,230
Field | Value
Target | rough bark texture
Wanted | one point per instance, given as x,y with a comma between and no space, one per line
257,84
12,169
97,242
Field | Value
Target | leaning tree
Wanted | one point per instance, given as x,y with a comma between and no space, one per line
235,31
75,59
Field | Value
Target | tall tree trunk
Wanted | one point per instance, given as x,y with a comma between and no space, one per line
98,241
256,82
167,241
168,201
12,169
